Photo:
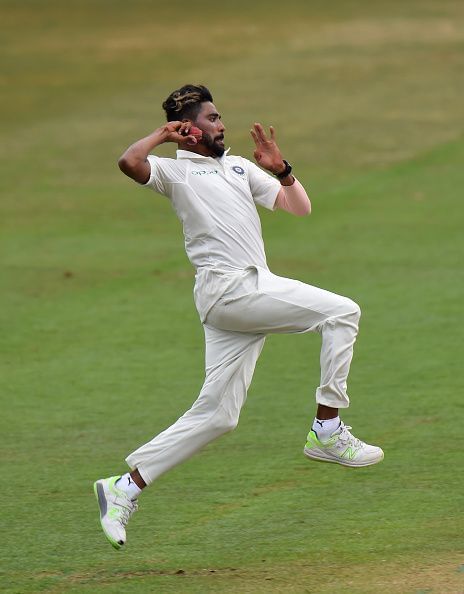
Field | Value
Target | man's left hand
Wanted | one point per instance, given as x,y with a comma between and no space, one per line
267,153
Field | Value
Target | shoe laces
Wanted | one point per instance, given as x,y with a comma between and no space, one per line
126,509
347,439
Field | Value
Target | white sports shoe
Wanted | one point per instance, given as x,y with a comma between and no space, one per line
342,448
115,510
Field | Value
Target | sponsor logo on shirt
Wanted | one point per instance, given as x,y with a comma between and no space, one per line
238,169
204,172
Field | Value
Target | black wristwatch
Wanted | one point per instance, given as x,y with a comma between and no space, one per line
285,172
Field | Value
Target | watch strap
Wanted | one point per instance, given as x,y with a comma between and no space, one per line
285,172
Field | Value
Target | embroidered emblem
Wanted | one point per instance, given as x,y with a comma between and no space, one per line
238,170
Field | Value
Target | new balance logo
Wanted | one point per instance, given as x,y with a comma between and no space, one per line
349,453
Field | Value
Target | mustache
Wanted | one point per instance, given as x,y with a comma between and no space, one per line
215,143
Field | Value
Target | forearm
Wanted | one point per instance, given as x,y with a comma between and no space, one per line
293,198
135,157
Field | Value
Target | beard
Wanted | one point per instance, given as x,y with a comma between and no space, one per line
214,146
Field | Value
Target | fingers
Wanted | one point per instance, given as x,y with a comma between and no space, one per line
175,125
255,137
186,138
186,132
260,132
184,128
259,135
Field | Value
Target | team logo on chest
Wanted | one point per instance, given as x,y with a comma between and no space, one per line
238,169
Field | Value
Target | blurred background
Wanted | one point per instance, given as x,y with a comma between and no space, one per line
101,346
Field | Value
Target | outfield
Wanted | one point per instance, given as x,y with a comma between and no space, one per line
100,343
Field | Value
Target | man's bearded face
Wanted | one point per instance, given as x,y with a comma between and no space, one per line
215,144
209,122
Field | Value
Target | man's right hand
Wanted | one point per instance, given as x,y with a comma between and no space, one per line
178,132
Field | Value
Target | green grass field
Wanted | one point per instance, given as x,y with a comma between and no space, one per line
101,347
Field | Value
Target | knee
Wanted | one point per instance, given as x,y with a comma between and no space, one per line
224,422
353,309
353,314
349,312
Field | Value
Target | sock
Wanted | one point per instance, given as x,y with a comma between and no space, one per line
126,484
324,429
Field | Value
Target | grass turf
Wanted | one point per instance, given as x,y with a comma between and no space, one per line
101,346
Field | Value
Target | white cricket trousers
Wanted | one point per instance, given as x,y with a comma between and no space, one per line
255,304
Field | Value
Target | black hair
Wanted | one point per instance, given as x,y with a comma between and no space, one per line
186,102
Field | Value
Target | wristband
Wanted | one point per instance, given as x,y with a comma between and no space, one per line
285,172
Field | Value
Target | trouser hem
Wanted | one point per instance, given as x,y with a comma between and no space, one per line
332,403
133,466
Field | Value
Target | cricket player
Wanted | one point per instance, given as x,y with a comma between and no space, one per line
239,301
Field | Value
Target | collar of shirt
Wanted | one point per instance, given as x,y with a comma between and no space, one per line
191,155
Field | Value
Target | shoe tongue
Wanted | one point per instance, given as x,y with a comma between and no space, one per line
338,430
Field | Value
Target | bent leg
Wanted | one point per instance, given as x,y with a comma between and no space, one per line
280,305
230,362
338,337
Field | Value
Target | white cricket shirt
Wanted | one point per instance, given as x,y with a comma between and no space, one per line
215,200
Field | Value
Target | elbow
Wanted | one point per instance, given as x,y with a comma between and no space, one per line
297,197
128,166
134,168
125,164
305,209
